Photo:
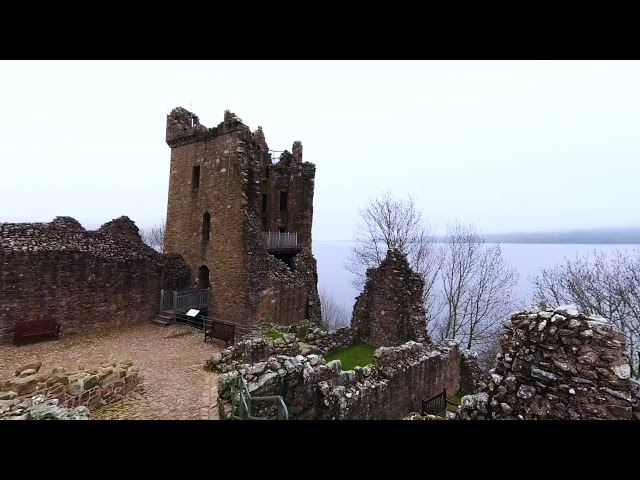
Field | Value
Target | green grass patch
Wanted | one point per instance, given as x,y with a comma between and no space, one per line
455,398
273,334
358,354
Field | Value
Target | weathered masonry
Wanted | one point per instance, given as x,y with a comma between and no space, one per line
389,311
242,220
81,278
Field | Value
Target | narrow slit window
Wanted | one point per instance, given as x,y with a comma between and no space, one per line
195,177
283,201
206,226
264,202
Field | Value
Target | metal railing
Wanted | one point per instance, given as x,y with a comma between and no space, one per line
201,322
242,331
280,239
437,405
185,300
274,155
242,403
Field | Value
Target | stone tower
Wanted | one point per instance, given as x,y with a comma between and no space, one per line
241,221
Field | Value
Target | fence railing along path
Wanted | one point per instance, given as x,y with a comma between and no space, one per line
179,302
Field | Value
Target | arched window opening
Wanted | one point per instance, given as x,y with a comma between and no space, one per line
203,277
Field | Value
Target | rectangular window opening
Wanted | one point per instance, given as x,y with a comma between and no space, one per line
283,201
206,226
195,177
264,202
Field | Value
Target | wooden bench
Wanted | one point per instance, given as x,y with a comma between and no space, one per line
436,405
36,328
220,330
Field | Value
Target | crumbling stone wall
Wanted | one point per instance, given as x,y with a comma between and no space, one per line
300,339
557,363
282,294
390,311
328,342
176,272
252,351
393,386
67,390
470,372
39,407
296,178
221,172
81,278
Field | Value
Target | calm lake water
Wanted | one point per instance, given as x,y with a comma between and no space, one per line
527,258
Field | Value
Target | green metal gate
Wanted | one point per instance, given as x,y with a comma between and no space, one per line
242,402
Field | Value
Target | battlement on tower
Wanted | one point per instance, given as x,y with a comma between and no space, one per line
184,127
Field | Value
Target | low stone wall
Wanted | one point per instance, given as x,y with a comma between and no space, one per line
252,351
394,385
557,363
89,388
39,407
327,342
315,340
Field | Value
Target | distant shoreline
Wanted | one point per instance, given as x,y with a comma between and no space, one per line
524,242
622,236
631,236
564,242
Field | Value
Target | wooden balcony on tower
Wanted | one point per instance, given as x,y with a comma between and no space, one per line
281,241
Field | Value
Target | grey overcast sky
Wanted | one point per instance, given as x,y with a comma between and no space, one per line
506,145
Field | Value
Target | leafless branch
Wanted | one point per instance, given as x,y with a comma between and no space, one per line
599,284
477,287
333,315
389,222
154,235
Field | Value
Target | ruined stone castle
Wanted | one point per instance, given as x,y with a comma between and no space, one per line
238,217
241,215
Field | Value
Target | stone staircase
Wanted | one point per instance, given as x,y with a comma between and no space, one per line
164,318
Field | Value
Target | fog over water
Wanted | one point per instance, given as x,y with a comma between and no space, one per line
527,258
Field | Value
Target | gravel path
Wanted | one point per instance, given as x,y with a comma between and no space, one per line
169,358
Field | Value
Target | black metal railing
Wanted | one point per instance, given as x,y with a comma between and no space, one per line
202,322
437,405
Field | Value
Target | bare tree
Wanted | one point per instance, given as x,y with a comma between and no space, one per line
468,285
477,286
333,315
631,292
487,354
598,284
154,235
390,222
